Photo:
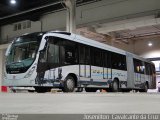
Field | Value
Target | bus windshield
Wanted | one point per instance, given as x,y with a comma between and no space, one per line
22,53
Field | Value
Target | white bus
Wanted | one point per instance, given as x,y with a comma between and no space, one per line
69,61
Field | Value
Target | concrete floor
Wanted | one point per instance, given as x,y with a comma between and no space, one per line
79,103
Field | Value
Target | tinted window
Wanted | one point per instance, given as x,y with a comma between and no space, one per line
69,52
61,52
107,59
81,54
147,69
96,56
138,66
118,61
53,53
53,56
84,54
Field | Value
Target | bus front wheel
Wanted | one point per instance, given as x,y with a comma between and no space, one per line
69,84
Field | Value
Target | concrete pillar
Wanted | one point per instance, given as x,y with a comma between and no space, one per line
1,59
0,34
2,63
0,70
1,67
71,15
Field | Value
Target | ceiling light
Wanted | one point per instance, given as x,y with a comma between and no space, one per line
13,1
150,44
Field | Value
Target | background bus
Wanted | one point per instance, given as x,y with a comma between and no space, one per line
69,61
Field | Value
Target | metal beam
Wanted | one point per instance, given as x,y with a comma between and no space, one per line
27,11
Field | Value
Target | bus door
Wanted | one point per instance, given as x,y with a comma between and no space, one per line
84,60
97,70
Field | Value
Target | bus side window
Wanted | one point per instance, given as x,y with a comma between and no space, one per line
118,61
107,59
87,55
53,58
53,53
147,71
84,54
81,54
96,57
70,53
138,66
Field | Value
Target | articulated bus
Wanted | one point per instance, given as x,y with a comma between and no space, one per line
71,62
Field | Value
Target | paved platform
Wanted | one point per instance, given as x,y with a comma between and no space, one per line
79,103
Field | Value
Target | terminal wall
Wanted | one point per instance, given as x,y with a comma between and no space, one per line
2,62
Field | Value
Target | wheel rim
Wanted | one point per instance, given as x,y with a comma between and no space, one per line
70,84
146,87
115,86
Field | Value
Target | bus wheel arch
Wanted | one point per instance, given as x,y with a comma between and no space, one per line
70,83
115,85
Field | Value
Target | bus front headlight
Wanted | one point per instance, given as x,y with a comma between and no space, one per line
30,72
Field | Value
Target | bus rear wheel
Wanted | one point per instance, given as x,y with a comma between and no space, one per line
145,89
69,84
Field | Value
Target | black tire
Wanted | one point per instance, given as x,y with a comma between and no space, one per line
90,89
69,84
145,89
79,89
115,86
